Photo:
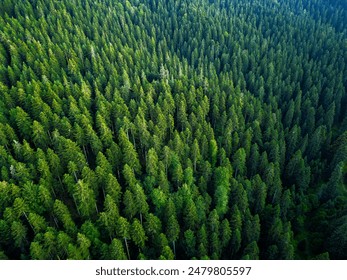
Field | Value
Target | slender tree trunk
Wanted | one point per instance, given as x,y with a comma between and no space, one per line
132,135
174,248
52,188
29,221
85,152
126,245
74,173
74,200
50,136
103,191
61,183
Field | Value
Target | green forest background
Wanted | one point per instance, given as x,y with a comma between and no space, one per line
162,129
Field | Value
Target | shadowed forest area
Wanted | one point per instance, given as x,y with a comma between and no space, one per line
173,129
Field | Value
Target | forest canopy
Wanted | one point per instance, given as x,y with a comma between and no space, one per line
173,129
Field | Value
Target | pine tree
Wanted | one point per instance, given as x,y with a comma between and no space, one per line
138,234
116,251
172,231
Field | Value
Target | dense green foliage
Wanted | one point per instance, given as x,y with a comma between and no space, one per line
169,129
